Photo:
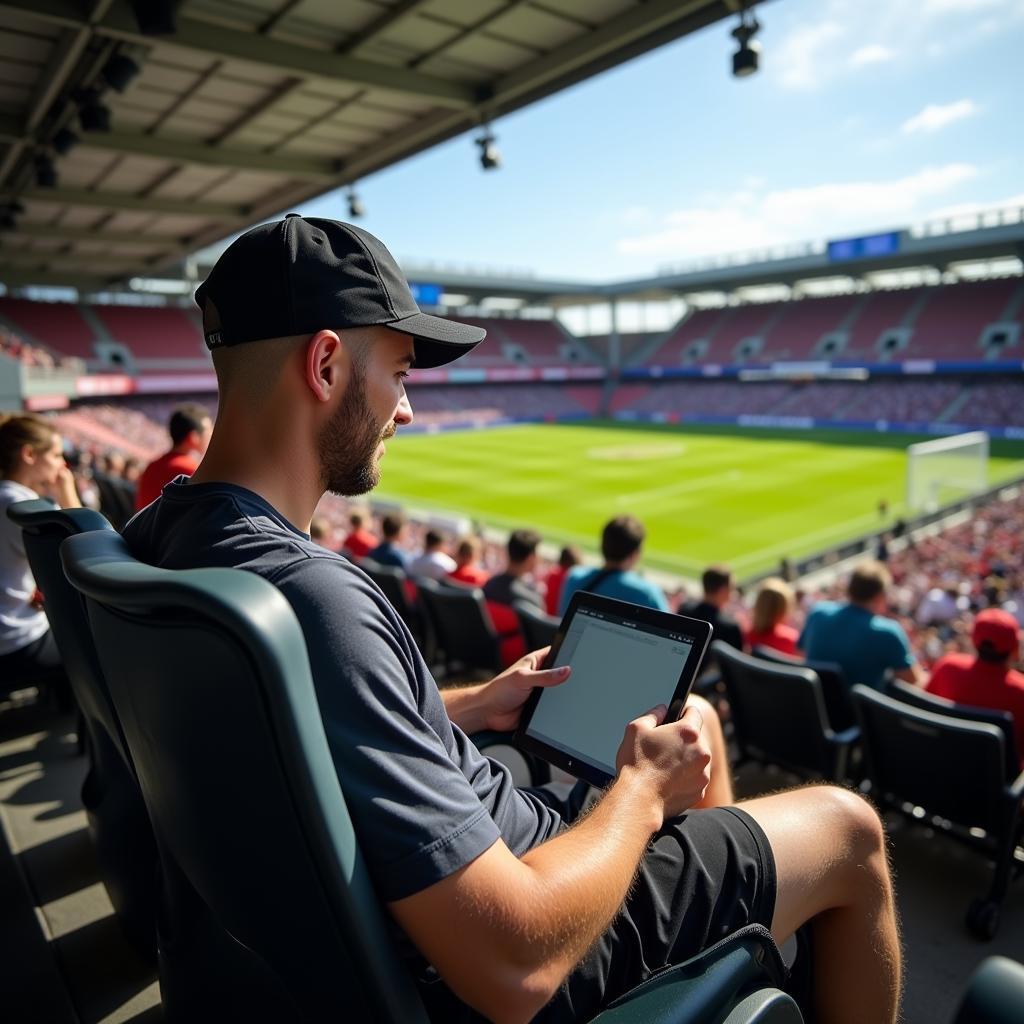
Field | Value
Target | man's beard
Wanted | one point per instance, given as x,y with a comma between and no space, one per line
348,444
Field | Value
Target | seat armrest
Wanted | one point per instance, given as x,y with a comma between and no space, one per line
1015,791
994,993
847,736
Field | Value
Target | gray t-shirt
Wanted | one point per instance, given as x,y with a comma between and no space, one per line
21,622
423,800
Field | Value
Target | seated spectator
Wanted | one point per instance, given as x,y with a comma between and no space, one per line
857,635
387,552
718,586
768,628
360,541
190,427
567,559
31,464
622,543
986,681
321,532
467,570
434,563
515,584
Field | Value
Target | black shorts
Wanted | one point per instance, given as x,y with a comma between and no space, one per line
706,874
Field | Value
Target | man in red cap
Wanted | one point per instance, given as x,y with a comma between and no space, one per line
986,681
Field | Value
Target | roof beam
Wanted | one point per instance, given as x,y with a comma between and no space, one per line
70,234
378,27
224,212
228,44
17,277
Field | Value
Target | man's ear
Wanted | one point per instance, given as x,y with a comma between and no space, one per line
327,365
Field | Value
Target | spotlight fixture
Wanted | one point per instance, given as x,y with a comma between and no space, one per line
46,172
155,17
490,156
356,209
747,58
119,71
93,116
64,141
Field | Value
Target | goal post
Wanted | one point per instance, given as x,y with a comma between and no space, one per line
945,469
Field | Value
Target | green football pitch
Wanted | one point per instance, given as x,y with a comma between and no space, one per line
705,493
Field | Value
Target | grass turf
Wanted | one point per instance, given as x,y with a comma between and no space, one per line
706,494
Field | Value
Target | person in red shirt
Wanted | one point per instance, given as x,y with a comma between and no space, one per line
360,541
190,428
467,569
569,557
768,627
986,681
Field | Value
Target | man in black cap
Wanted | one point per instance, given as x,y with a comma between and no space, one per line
522,912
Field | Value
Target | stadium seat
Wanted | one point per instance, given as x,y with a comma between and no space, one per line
116,815
995,993
468,643
1003,720
394,584
779,717
268,913
538,627
915,763
834,687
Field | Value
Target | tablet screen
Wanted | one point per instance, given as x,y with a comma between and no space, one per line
621,667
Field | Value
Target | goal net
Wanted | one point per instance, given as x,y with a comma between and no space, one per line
945,469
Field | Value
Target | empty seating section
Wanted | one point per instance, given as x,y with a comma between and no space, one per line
881,311
701,324
57,325
627,396
154,332
802,326
522,343
950,324
487,403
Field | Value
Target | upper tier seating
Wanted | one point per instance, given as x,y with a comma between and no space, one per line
154,332
58,325
950,324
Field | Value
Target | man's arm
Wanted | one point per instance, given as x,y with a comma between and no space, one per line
504,932
911,674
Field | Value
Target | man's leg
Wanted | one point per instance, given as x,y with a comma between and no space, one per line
831,862
719,792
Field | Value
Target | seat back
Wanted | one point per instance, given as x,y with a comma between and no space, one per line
778,712
465,633
267,910
538,627
952,769
115,812
1003,720
834,688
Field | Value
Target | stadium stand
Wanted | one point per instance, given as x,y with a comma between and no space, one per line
57,325
880,312
798,332
950,323
154,332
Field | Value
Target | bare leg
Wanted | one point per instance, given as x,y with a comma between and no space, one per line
719,792
830,855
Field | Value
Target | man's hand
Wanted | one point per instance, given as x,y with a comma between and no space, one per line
671,756
498,704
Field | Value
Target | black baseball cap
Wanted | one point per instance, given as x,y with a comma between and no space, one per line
299,276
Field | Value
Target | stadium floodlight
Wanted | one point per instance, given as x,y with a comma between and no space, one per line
747,58
119,71
945,469
356,209
64,141
93,116
490,156
46,172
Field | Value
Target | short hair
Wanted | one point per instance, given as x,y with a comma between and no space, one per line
715,577
319,528
186,418
773,601
431,539
468,548
356,520
622,537
867,581
391,525
569,557
522,544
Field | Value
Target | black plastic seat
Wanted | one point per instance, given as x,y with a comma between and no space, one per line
778,712
116,814
268,913
834,687
468,643
538,627
950,774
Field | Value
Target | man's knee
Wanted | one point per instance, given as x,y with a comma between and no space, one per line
857,821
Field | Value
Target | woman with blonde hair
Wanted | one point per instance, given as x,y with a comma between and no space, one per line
768,627
31,464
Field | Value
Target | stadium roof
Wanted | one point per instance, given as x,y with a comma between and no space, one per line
252,106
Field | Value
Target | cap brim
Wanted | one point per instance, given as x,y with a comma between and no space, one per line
437,340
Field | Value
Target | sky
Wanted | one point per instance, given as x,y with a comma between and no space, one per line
866,115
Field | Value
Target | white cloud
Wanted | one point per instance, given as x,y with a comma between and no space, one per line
937,116
873,53
753,218
800,56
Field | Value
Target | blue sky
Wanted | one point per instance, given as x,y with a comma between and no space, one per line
867,114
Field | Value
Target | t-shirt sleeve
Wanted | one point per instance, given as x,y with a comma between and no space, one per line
417,816
901,654
808,629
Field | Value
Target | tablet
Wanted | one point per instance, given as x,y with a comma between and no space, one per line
625,660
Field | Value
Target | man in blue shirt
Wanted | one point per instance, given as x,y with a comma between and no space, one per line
858,636
621,545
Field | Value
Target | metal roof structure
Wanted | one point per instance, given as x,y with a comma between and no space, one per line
251,106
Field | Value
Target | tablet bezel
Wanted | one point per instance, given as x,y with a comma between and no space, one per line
696,630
